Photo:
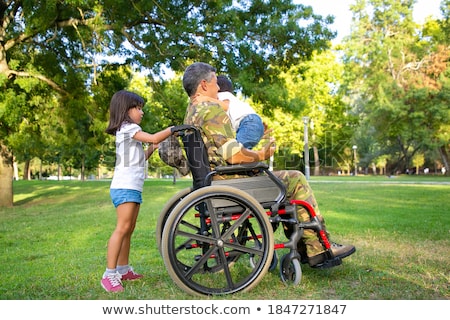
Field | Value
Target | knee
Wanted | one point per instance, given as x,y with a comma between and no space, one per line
124,229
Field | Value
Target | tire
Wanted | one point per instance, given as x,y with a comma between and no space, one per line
209,255
290,270
166,210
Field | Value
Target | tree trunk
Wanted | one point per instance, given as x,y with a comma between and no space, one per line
444,157
16,171
6,178
26,170
59,171
316,161
174,174
83,168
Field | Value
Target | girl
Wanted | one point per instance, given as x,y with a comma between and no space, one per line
127,183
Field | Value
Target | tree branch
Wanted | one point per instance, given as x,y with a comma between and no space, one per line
50,82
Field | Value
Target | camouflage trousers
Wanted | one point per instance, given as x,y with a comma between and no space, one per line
298,188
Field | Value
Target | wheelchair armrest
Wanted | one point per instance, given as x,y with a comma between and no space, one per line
237,168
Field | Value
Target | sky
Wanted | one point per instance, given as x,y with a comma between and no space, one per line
343,16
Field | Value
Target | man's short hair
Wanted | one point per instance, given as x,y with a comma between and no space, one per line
194,74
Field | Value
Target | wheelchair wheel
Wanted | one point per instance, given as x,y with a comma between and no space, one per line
273,263
166,210
290,270
208,238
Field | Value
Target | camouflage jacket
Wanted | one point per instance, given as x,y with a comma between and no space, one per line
217,132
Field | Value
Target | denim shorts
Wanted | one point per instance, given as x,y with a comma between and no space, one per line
119,196
250,131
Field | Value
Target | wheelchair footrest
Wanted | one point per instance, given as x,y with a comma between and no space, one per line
333,262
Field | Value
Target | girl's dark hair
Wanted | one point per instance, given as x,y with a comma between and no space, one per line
121,102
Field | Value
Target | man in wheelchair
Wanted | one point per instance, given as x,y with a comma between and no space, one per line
223,149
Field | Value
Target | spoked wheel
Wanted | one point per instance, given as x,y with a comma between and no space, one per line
290,270
166,210
209,237
273,263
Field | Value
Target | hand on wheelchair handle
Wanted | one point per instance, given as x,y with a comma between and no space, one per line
181,129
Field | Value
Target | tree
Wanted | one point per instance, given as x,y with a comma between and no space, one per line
317,84
397,77
66,45
418,160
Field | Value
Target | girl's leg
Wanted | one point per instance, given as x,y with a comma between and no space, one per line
120,238
126,242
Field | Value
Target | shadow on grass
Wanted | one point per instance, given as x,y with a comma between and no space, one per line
28,193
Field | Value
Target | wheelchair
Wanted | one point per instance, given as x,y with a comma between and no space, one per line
217,237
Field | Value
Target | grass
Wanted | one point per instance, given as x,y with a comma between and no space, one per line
53,242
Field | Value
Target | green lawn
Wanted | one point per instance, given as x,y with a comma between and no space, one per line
53,242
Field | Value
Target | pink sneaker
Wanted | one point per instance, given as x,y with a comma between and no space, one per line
112,283
131,275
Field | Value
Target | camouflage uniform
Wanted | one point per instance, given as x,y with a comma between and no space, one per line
218,136
298,188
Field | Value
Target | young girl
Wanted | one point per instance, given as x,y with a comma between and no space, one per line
127,183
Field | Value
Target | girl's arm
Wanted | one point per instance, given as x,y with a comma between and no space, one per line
154,138
149,151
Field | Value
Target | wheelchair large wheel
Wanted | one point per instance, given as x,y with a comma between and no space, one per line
209,237
166,210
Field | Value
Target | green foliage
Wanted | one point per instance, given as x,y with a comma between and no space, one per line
313,88
84,51
396,77
166,104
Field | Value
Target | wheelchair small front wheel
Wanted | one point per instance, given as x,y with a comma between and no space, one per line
290,270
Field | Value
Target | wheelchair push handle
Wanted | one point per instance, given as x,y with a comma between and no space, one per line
181,130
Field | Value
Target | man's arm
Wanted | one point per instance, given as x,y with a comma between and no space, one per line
247,155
